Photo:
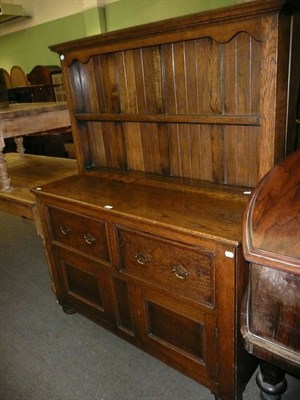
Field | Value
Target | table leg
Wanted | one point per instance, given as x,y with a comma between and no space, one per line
19,143
4,179
271,381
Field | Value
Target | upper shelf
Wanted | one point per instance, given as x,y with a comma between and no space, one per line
250,120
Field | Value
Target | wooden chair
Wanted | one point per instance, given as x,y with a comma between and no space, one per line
6,78
49,75
18,77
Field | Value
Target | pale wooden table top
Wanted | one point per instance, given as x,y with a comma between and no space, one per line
26,109
22,119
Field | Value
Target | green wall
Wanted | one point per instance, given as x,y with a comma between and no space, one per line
125,13
29,47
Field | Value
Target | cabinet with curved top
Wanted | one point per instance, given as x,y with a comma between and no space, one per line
270,317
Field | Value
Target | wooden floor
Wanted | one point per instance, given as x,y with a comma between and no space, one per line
27,172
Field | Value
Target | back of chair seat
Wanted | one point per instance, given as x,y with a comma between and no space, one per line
18,77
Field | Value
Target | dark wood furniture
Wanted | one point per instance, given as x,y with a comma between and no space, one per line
42,83
159,264
42,74
3,90
22,91
31,94
271,318
173,122
37,86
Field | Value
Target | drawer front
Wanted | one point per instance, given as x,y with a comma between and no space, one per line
80,233
185,271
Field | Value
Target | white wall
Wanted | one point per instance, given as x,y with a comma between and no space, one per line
47,10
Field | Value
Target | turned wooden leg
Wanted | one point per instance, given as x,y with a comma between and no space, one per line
19,143
4,179
271,381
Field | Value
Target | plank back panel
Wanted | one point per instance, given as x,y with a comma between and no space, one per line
202,99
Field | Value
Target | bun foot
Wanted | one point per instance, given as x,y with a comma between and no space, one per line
68,310
271,381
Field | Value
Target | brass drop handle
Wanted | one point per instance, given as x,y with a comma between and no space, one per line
65,230
180,271
141,258
89,239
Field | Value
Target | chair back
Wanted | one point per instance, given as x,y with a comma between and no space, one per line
3,89
18,77
6,76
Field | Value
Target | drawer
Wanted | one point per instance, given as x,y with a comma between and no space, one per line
79,232
181,269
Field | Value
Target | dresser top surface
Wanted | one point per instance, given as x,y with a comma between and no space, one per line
205,211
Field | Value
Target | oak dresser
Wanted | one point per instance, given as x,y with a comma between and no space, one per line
174,123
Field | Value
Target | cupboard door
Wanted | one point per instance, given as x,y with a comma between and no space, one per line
84,285
182,336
